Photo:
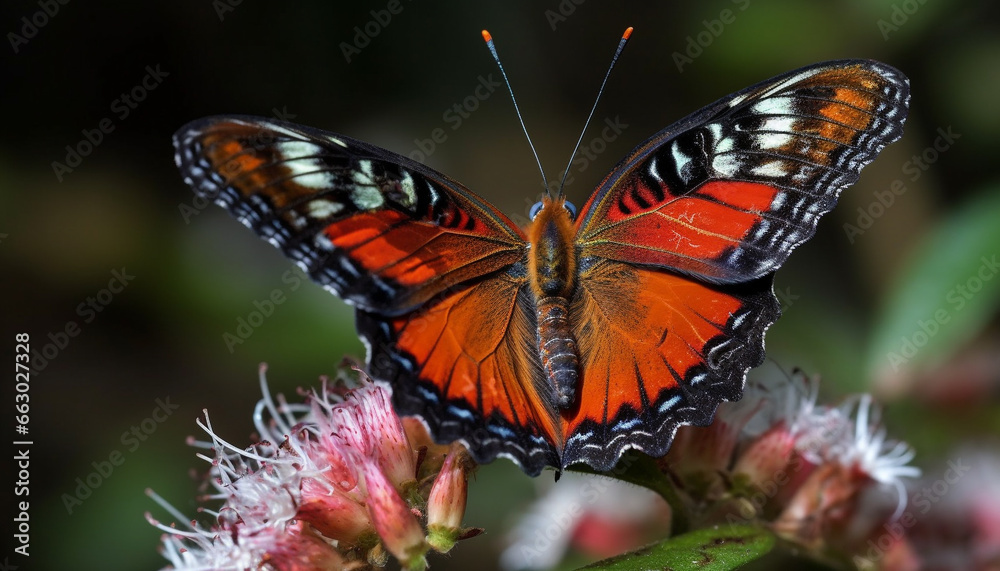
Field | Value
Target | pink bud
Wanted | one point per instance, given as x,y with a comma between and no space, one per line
395,523
446,504
332,512
826,501
765,460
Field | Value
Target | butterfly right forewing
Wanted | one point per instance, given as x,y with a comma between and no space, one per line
382,232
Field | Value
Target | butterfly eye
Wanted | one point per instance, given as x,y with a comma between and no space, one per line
534,210
572,209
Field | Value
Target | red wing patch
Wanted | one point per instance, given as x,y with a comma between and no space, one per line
729,192
383,232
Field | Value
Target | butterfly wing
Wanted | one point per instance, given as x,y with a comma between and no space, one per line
436,273
657,350
383,232
468,365
679,243
727,193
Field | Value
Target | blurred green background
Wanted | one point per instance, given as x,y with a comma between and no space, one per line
850,297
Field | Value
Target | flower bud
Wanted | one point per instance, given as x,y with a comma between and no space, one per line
332,512
446,504
765,460
395,523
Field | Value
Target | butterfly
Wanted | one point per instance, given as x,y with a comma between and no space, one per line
580,336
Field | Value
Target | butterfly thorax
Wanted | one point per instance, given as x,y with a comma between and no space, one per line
552,273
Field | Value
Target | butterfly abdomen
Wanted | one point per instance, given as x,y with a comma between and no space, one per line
557,348
552,269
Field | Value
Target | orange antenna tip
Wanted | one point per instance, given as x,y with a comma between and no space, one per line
488,37
628,32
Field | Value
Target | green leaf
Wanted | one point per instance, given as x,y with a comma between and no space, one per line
946,293
713,549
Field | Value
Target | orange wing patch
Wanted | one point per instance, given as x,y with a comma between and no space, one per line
657,350
471,370
422,258
685,231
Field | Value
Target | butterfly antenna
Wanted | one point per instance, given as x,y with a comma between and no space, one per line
493,50
614,60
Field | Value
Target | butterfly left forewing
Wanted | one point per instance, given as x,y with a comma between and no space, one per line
729,192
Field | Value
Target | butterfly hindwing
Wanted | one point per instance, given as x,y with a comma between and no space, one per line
727,193
657,350
468,365
381,231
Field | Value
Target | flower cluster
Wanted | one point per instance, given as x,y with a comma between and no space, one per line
333,483
801,468
776,458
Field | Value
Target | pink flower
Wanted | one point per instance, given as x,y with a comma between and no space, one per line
327,487
333,512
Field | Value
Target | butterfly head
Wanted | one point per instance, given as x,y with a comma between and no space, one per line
551,235
557,203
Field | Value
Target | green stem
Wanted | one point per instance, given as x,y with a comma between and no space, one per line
642,470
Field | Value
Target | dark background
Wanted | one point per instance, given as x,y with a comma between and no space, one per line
197,273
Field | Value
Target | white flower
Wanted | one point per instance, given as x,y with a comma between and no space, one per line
544,534
866,448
